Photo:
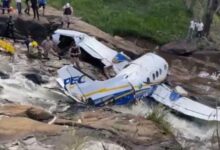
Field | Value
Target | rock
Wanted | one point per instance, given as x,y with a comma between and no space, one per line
181,91
39,114
17,127
4,75
182,47
35,113
136,133
99,145
36,78
26,25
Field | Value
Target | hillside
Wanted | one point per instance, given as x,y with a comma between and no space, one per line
159,21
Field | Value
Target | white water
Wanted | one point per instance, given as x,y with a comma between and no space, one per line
191,134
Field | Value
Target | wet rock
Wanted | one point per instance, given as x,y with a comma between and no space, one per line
36,78
4,75
26,25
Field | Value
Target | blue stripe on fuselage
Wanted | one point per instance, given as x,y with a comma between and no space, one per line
125,97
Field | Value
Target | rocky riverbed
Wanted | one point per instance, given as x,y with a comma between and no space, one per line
35,114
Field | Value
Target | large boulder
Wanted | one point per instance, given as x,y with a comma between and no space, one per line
35,113
182,47
18,127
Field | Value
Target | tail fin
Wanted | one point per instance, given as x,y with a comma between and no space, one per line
71,80
69,75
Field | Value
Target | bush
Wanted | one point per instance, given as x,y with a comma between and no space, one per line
157,115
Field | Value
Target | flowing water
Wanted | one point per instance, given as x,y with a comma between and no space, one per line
192,134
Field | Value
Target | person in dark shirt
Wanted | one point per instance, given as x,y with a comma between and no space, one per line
75,53
9,32
27,42
34,5
67,12
27,10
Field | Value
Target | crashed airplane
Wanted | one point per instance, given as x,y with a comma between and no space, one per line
134,80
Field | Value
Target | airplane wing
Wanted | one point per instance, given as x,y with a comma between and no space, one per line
96,49
163,94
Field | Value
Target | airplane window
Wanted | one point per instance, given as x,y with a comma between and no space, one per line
153,76
157,74
160,71
165,67
148,80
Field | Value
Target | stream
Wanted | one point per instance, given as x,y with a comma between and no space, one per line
34,82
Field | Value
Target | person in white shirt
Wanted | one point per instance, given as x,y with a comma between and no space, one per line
192,28
19,6
200,28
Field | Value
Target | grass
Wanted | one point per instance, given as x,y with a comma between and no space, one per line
157,115
158,20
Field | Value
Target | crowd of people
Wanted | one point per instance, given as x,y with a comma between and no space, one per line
195,29
47,46
34,4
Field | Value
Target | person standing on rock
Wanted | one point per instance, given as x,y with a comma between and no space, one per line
27,10
34,5
5,6
75,53
19,6
200,27
67,12
192,28
42,3
9,32
47,46
27,42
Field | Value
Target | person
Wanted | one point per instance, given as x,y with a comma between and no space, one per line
27,42
27,9
200,27
47,46
9,32
19,6
109,71
75,53
34,49
192,28
67,12
34,5
42,3
5,6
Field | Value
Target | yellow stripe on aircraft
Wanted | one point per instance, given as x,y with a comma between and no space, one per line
103,90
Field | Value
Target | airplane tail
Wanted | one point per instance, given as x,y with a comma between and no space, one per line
71,80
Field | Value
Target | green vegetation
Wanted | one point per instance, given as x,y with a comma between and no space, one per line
157,115
158,20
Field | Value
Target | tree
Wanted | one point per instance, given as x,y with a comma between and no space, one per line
212,6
